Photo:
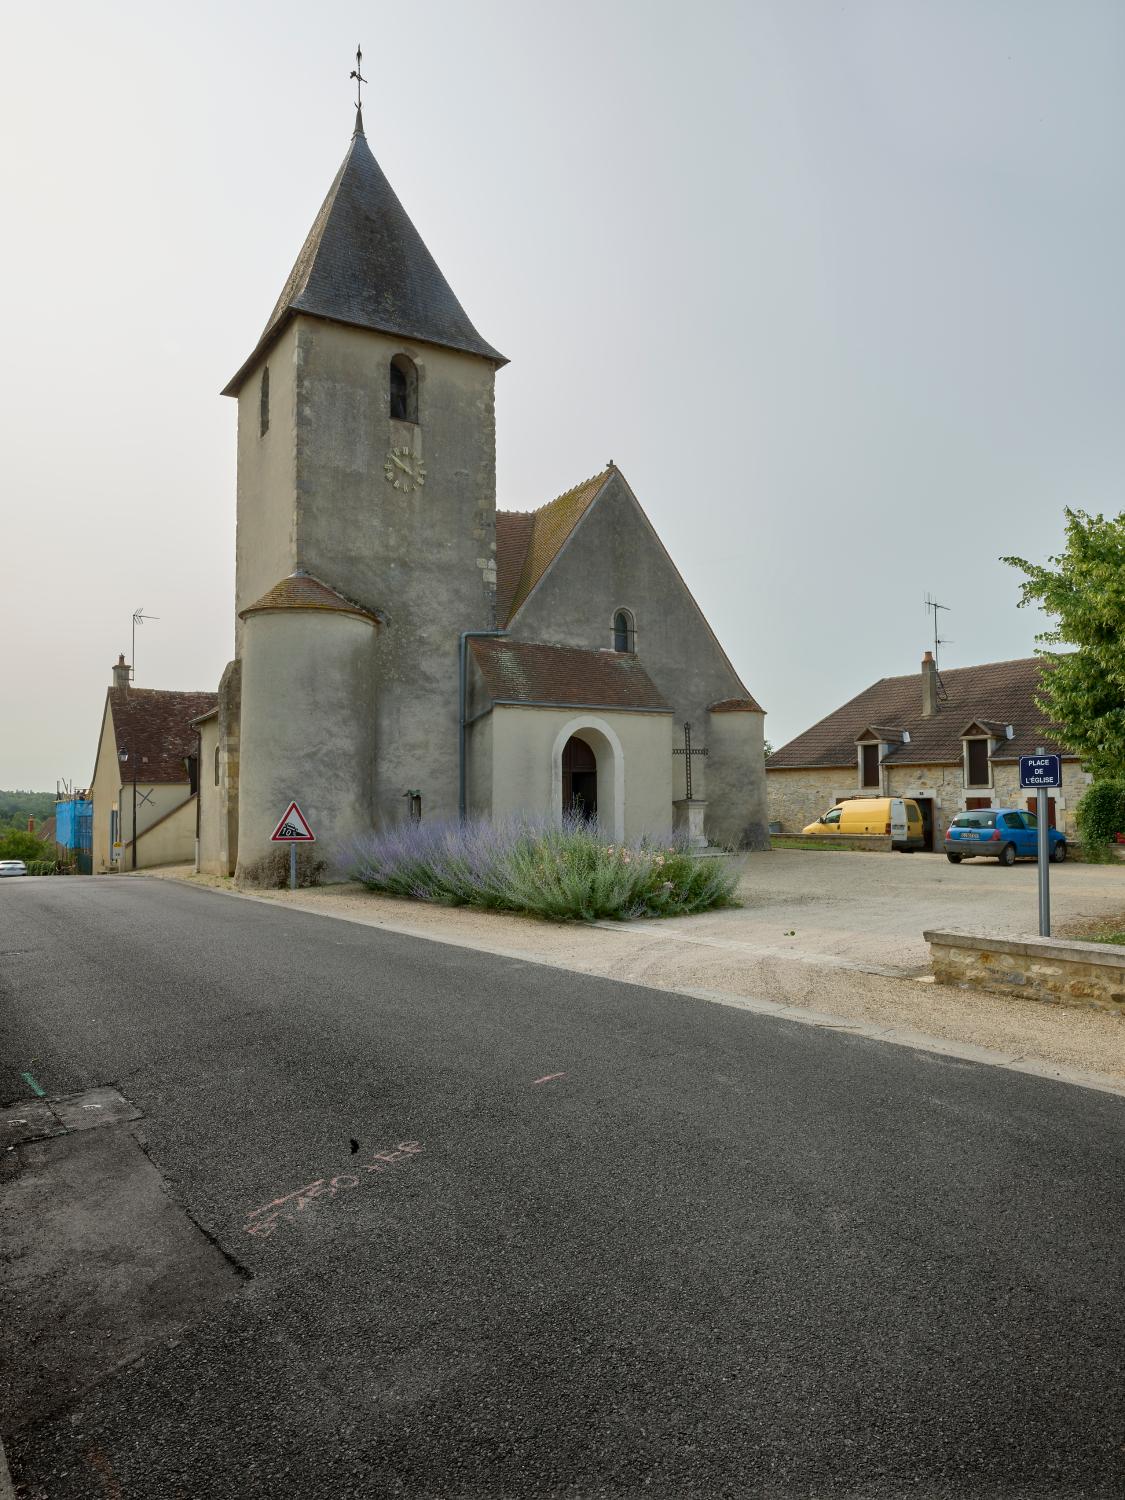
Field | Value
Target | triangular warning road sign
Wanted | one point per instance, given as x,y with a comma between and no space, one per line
293,828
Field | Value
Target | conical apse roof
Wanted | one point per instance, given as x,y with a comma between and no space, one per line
364,263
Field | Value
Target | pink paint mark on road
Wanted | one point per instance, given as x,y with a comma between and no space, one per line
263,1221
548,1078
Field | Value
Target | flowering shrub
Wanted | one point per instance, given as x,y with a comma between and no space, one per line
548,871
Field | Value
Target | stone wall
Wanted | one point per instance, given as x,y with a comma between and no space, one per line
797,798
872,843
1053,970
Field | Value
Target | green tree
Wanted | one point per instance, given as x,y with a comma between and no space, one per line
1083,588
17,807
19,844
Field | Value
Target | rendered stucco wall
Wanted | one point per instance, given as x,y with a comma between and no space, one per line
736,755
210,801
308,729
425,558
169,842
479,770
526,753
230,741
104,793
267,479
612,561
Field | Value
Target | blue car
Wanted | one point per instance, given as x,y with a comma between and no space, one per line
1003,833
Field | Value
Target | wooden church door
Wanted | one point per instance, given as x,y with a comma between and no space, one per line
580,780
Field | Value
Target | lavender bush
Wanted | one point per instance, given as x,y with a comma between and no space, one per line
549,871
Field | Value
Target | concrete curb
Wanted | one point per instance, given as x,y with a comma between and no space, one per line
897,1036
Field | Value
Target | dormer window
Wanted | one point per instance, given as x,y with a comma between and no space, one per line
404,389
976,763
623,635
978,740
869,754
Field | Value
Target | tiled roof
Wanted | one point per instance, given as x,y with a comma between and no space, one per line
527,542
155,726
364,263
303,590
525,672
1000,692
734,706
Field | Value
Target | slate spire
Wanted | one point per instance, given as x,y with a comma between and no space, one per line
364,263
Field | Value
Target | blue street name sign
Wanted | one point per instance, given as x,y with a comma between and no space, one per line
1040,770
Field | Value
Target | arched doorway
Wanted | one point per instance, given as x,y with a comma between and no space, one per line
579,780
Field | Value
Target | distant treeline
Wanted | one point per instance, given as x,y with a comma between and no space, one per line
17,807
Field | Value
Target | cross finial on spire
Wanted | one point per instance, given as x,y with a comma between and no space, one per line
357,74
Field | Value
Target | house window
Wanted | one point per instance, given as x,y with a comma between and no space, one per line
404,389
623,635
977,762
870,753
264,404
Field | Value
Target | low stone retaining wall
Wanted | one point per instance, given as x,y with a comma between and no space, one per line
877,842
1054,970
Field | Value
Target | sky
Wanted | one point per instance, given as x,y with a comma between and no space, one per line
838,286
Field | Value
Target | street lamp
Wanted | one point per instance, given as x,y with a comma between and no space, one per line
123,756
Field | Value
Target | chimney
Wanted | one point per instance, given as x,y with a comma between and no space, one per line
929,686
121,673
31,825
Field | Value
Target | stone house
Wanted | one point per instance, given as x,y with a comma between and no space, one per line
145,776
951,741
402,647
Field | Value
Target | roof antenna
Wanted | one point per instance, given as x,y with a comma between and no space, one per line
932,607
139,617
357,74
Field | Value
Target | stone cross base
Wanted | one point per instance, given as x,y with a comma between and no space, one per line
687,820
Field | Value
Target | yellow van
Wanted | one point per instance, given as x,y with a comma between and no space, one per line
901,817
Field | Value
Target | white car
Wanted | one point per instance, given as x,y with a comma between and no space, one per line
12,867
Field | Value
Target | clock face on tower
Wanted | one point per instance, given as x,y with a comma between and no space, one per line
405,470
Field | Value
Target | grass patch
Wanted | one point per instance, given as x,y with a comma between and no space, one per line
1106,937
561,873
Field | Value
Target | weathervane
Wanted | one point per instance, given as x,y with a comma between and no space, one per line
358,76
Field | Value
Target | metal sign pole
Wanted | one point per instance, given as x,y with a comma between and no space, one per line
1044,859
293,866
1044,864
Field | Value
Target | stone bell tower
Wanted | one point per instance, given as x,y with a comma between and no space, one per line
366,463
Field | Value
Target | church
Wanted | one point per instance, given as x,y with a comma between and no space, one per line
402,648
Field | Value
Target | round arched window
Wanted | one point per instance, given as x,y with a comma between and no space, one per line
404,389
623,635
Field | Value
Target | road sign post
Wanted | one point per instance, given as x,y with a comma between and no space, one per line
293,829
1040,771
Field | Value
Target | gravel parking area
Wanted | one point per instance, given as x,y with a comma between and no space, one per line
836,933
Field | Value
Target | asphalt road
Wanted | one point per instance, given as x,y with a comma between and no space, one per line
720,1255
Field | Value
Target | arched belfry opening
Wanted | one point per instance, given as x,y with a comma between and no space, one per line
624,638
404,389
579,780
